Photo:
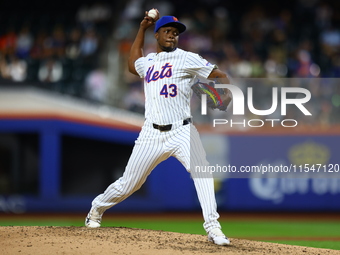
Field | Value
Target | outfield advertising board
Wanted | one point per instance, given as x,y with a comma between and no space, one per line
313,182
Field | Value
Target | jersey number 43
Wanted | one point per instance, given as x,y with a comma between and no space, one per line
170,90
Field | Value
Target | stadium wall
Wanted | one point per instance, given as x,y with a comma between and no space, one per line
54,162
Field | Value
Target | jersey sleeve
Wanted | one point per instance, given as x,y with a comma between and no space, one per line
196,65
139,66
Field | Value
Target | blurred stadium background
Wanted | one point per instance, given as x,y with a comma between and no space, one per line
70,111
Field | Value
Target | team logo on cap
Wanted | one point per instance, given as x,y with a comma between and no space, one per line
175,19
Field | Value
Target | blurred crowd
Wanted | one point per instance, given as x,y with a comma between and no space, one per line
57,54
248,39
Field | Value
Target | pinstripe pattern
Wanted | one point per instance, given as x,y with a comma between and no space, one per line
175,68
184,66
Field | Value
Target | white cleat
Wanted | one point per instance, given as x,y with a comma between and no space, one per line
93,220
91,223
217,237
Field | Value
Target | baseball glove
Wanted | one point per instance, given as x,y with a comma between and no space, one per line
214,100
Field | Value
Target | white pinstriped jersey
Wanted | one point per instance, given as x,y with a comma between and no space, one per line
167,77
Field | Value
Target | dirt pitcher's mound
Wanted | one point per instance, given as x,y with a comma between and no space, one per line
80,240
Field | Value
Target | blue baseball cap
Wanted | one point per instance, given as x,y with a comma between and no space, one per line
170,21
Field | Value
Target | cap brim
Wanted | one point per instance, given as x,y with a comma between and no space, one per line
181,27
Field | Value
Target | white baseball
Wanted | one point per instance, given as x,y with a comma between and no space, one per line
152,13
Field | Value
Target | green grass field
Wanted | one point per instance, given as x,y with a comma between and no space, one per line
319,234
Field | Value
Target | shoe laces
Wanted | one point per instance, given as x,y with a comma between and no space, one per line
216,232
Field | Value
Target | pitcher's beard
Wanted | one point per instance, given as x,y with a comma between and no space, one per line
167,49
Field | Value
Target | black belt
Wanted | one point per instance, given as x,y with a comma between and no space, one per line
164,128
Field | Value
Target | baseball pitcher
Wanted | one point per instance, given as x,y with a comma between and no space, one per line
168,129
